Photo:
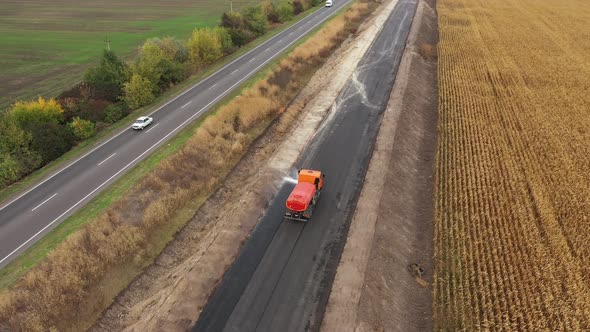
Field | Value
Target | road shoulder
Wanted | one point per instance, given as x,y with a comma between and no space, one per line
385,272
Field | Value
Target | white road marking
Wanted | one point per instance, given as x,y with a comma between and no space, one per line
45,201
211,87
251,60
147,131
162,139
109,157
280,40
185,105
233,72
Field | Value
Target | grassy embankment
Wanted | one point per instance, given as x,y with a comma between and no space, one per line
62,291
513,183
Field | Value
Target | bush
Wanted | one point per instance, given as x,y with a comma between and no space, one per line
172,73
50,140
285,11
255,20
70,106
172,49
40,110
160,61
241,37
46,296
82,129
73,92
203,47
146,64
107,79
138,91
16,156
297,7
93,110
72,98
44,120
232,20
225,40
113,113
270,11
10,171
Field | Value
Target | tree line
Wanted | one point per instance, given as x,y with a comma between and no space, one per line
34,133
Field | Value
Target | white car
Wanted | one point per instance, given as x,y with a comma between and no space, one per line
328,3
142,122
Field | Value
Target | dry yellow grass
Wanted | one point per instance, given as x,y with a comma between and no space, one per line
512,228
52,294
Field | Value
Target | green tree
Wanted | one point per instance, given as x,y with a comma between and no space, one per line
44,120
203,47
108,77
269,9
71,107
173,49
40,110
172,73
298,7
147,63
138,91
16,156
82,129
50,140
113,113
232,21
255,20
9,170
225,40
285,11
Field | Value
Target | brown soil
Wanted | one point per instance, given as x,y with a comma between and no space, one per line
169,294
384,279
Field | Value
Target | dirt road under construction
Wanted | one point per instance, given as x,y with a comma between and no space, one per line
281,280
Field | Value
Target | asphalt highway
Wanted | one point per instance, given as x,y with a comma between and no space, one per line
34,213
282,277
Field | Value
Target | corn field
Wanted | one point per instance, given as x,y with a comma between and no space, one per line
512,228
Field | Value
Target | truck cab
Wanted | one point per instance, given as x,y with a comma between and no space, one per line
314,177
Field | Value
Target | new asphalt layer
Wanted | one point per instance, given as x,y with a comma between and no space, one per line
282,278
34,213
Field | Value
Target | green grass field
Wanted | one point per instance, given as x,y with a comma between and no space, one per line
46,46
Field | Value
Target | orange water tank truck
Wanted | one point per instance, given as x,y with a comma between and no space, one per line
305,195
